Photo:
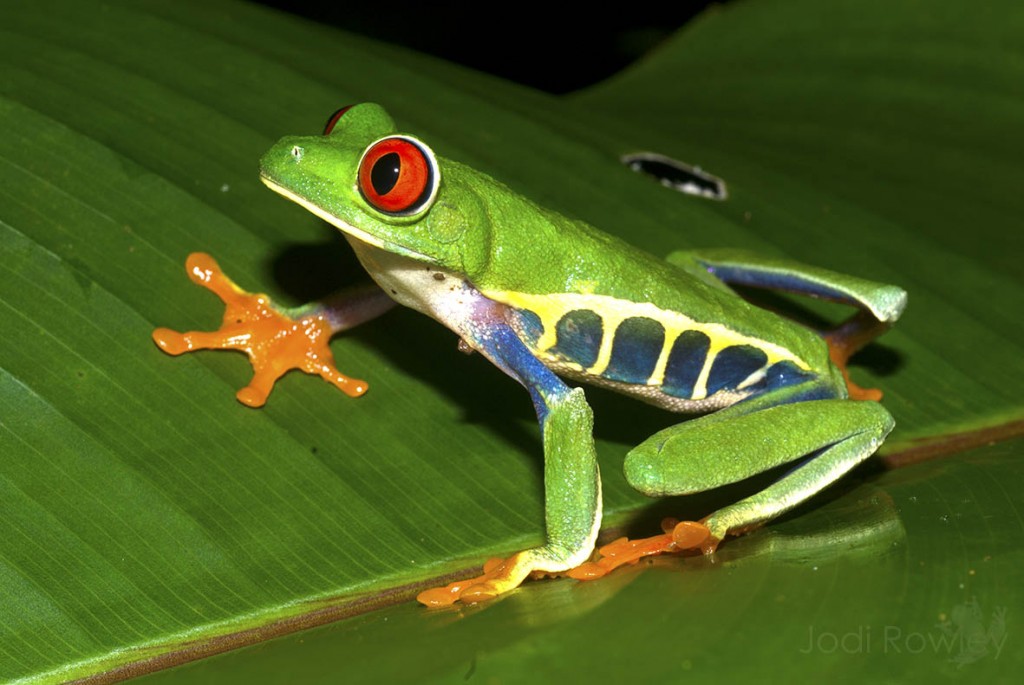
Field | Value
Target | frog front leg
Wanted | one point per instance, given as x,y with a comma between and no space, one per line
275,339
572,483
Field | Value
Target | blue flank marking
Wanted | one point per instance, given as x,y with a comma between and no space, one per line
531,326
685,362
578,337
635,349
783,374
502,344
786,374
732,366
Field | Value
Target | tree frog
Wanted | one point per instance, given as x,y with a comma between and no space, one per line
545,297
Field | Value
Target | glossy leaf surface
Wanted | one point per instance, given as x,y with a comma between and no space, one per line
148,516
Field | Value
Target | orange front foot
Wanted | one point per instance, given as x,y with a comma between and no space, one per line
275,342
679,536
499,576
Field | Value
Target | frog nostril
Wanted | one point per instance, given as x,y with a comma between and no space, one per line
297,153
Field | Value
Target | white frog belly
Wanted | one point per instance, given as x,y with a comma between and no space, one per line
436,292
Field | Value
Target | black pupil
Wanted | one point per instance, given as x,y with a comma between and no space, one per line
384,174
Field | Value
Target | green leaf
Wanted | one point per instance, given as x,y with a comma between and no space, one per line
892,581
149,518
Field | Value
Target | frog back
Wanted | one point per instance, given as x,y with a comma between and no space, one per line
596,309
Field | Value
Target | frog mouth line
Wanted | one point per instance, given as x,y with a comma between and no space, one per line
344,226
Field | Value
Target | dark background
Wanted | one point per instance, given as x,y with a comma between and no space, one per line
554,51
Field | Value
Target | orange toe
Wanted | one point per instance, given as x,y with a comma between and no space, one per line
274,342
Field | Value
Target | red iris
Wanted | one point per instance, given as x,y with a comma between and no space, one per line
395,176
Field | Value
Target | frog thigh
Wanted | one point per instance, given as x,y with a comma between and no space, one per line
743,267
740,441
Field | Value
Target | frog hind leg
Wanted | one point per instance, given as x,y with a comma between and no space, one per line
845,340
742,267
572,483
276,340
879,304
738,442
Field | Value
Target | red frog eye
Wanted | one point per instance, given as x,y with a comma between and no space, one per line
332,121
398,175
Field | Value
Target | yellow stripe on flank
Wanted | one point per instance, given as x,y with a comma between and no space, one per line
549,337
700,387
551,308
609,324
752,378
658,375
